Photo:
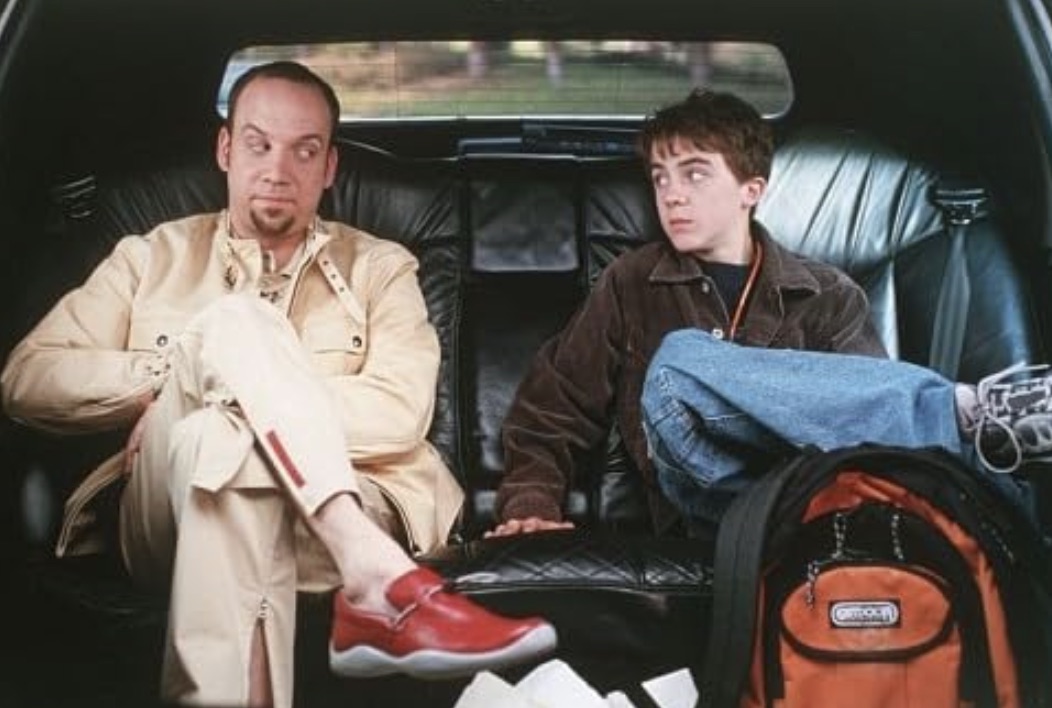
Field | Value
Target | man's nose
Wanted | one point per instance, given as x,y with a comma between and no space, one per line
279,165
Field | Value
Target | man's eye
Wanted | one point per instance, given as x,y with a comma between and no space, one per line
257,147
306,153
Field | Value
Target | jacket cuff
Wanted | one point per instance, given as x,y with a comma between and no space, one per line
525,504
151,370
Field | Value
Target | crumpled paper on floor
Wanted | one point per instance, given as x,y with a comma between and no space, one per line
555,684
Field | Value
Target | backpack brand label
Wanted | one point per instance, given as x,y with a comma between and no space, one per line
864,614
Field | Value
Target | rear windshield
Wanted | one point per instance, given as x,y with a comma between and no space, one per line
528,79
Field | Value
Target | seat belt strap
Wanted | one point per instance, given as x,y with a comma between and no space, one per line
960,206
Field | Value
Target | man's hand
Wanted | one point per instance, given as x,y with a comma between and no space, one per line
531,524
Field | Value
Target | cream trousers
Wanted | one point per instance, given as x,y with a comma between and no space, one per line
237,447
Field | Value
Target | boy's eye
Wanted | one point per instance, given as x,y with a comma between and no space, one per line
696,175
659,180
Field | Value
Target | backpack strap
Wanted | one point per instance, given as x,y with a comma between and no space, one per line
736,580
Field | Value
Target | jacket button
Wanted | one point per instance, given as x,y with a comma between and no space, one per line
705,288
162,339
356,341
717,333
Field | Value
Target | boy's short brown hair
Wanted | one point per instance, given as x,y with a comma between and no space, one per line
714,122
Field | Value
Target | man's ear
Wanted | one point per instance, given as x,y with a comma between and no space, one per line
223,149
752,190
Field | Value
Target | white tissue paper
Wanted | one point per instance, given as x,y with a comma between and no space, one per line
555,684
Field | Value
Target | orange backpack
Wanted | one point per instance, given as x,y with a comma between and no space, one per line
878,576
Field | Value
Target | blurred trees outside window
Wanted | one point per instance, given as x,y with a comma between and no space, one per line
524,78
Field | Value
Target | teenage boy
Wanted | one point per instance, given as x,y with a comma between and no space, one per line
716,350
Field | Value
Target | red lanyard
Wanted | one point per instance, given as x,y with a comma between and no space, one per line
743,299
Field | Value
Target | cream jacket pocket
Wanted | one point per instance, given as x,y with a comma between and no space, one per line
337,348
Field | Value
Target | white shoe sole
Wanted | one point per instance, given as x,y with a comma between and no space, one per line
366,661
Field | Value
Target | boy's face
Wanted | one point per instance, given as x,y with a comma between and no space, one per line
704,208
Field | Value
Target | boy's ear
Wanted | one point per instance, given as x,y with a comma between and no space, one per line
752,190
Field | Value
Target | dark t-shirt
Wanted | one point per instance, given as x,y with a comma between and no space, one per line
729,279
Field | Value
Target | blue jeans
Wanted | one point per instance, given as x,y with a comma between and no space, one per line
716,414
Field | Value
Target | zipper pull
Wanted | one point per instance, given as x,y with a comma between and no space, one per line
813,569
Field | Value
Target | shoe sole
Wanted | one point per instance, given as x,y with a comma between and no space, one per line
367,662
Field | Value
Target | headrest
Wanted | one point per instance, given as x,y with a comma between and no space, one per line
840,197
135,206
410,200
523,213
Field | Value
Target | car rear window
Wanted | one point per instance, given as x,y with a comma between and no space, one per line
528,79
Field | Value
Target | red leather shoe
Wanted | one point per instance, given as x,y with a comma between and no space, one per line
436,634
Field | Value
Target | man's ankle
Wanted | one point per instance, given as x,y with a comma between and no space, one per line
371,596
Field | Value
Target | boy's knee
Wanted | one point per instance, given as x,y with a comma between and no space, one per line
659,398
687,342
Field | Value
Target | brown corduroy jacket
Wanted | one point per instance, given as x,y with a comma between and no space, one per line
591,374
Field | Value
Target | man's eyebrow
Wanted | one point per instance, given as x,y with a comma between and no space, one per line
253,128
309,137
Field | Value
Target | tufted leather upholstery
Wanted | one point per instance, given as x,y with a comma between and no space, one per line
508,246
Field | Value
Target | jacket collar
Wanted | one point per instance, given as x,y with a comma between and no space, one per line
244,254
780,271
317,235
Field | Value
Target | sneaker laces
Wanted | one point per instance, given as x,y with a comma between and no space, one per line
997,411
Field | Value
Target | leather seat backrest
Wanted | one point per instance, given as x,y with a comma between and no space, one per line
523,282
846,199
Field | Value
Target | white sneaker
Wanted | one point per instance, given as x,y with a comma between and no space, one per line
1015,417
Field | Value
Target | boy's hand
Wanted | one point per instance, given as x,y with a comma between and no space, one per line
531,524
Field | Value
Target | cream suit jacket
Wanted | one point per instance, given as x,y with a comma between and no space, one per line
356,306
